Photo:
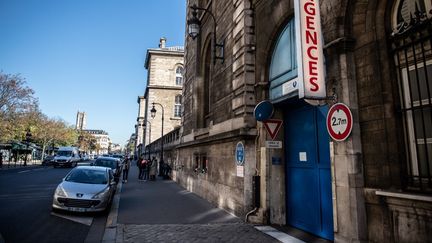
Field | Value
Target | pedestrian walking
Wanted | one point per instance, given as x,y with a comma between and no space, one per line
147,170
153,169
142,165
126,166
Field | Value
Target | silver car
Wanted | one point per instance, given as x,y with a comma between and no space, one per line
85,189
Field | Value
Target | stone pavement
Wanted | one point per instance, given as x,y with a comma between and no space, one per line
191,233
162,211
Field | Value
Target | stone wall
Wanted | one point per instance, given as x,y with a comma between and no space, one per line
162,68
162,89
219,184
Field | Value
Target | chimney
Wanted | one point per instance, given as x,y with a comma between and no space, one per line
162,42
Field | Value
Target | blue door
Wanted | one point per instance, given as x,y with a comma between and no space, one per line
308,176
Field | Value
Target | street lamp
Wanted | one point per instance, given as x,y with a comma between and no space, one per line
194,28
153,114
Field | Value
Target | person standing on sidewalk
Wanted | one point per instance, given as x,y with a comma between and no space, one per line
153,169
147,167
126,166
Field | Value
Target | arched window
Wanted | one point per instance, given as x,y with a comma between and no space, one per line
177,106
405,10
283,66
411,42
179,75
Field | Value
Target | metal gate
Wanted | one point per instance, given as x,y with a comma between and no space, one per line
308,176
411,47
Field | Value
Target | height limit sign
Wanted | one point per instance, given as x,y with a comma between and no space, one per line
339,122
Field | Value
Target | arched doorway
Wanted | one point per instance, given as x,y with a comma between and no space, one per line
306,145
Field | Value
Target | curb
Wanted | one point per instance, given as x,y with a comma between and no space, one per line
110,233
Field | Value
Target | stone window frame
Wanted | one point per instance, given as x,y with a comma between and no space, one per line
397,14
178,105
200,163
179,75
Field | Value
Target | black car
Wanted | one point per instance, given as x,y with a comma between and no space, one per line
109,162
48,160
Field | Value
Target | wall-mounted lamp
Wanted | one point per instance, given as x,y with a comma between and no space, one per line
194,28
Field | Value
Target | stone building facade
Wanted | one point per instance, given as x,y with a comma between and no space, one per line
139,126
372,187
164,86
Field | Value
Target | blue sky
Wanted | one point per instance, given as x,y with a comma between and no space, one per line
87,55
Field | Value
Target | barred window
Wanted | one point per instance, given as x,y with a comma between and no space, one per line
178,106
411,46
179,76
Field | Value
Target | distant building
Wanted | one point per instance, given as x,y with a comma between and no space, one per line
131,146
115,148
102,139
81,121
164,86
140,126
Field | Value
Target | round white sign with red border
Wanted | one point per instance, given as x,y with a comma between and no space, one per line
339,122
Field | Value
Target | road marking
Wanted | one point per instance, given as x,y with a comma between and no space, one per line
283,237
78,219
24,171
40,169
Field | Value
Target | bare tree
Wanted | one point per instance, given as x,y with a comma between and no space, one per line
16,100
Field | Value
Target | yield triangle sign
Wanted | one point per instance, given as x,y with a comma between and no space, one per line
272,126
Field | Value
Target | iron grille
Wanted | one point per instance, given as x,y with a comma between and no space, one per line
411,47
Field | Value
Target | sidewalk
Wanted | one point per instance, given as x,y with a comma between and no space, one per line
162,211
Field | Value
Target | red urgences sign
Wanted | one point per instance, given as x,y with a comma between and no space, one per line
311,58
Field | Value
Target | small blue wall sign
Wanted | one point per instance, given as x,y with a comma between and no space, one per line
240,154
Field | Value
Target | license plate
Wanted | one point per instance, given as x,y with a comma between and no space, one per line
77,209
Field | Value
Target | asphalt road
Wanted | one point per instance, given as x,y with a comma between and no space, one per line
25,208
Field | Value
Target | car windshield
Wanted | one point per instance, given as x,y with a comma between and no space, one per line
87,176
106,163
64,153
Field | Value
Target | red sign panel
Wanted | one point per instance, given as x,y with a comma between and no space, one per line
339,122
272,126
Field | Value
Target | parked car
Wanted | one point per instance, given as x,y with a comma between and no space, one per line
118,156
110,162
84,157
48,160
85,189
66,156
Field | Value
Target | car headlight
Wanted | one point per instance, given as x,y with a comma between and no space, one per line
101,194
59,192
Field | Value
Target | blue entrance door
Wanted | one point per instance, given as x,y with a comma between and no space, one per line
308,176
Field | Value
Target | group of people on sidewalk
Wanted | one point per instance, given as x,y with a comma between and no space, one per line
147,169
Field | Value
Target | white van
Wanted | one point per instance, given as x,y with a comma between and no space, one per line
66,156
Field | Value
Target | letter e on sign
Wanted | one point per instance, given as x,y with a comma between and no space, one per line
339,122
